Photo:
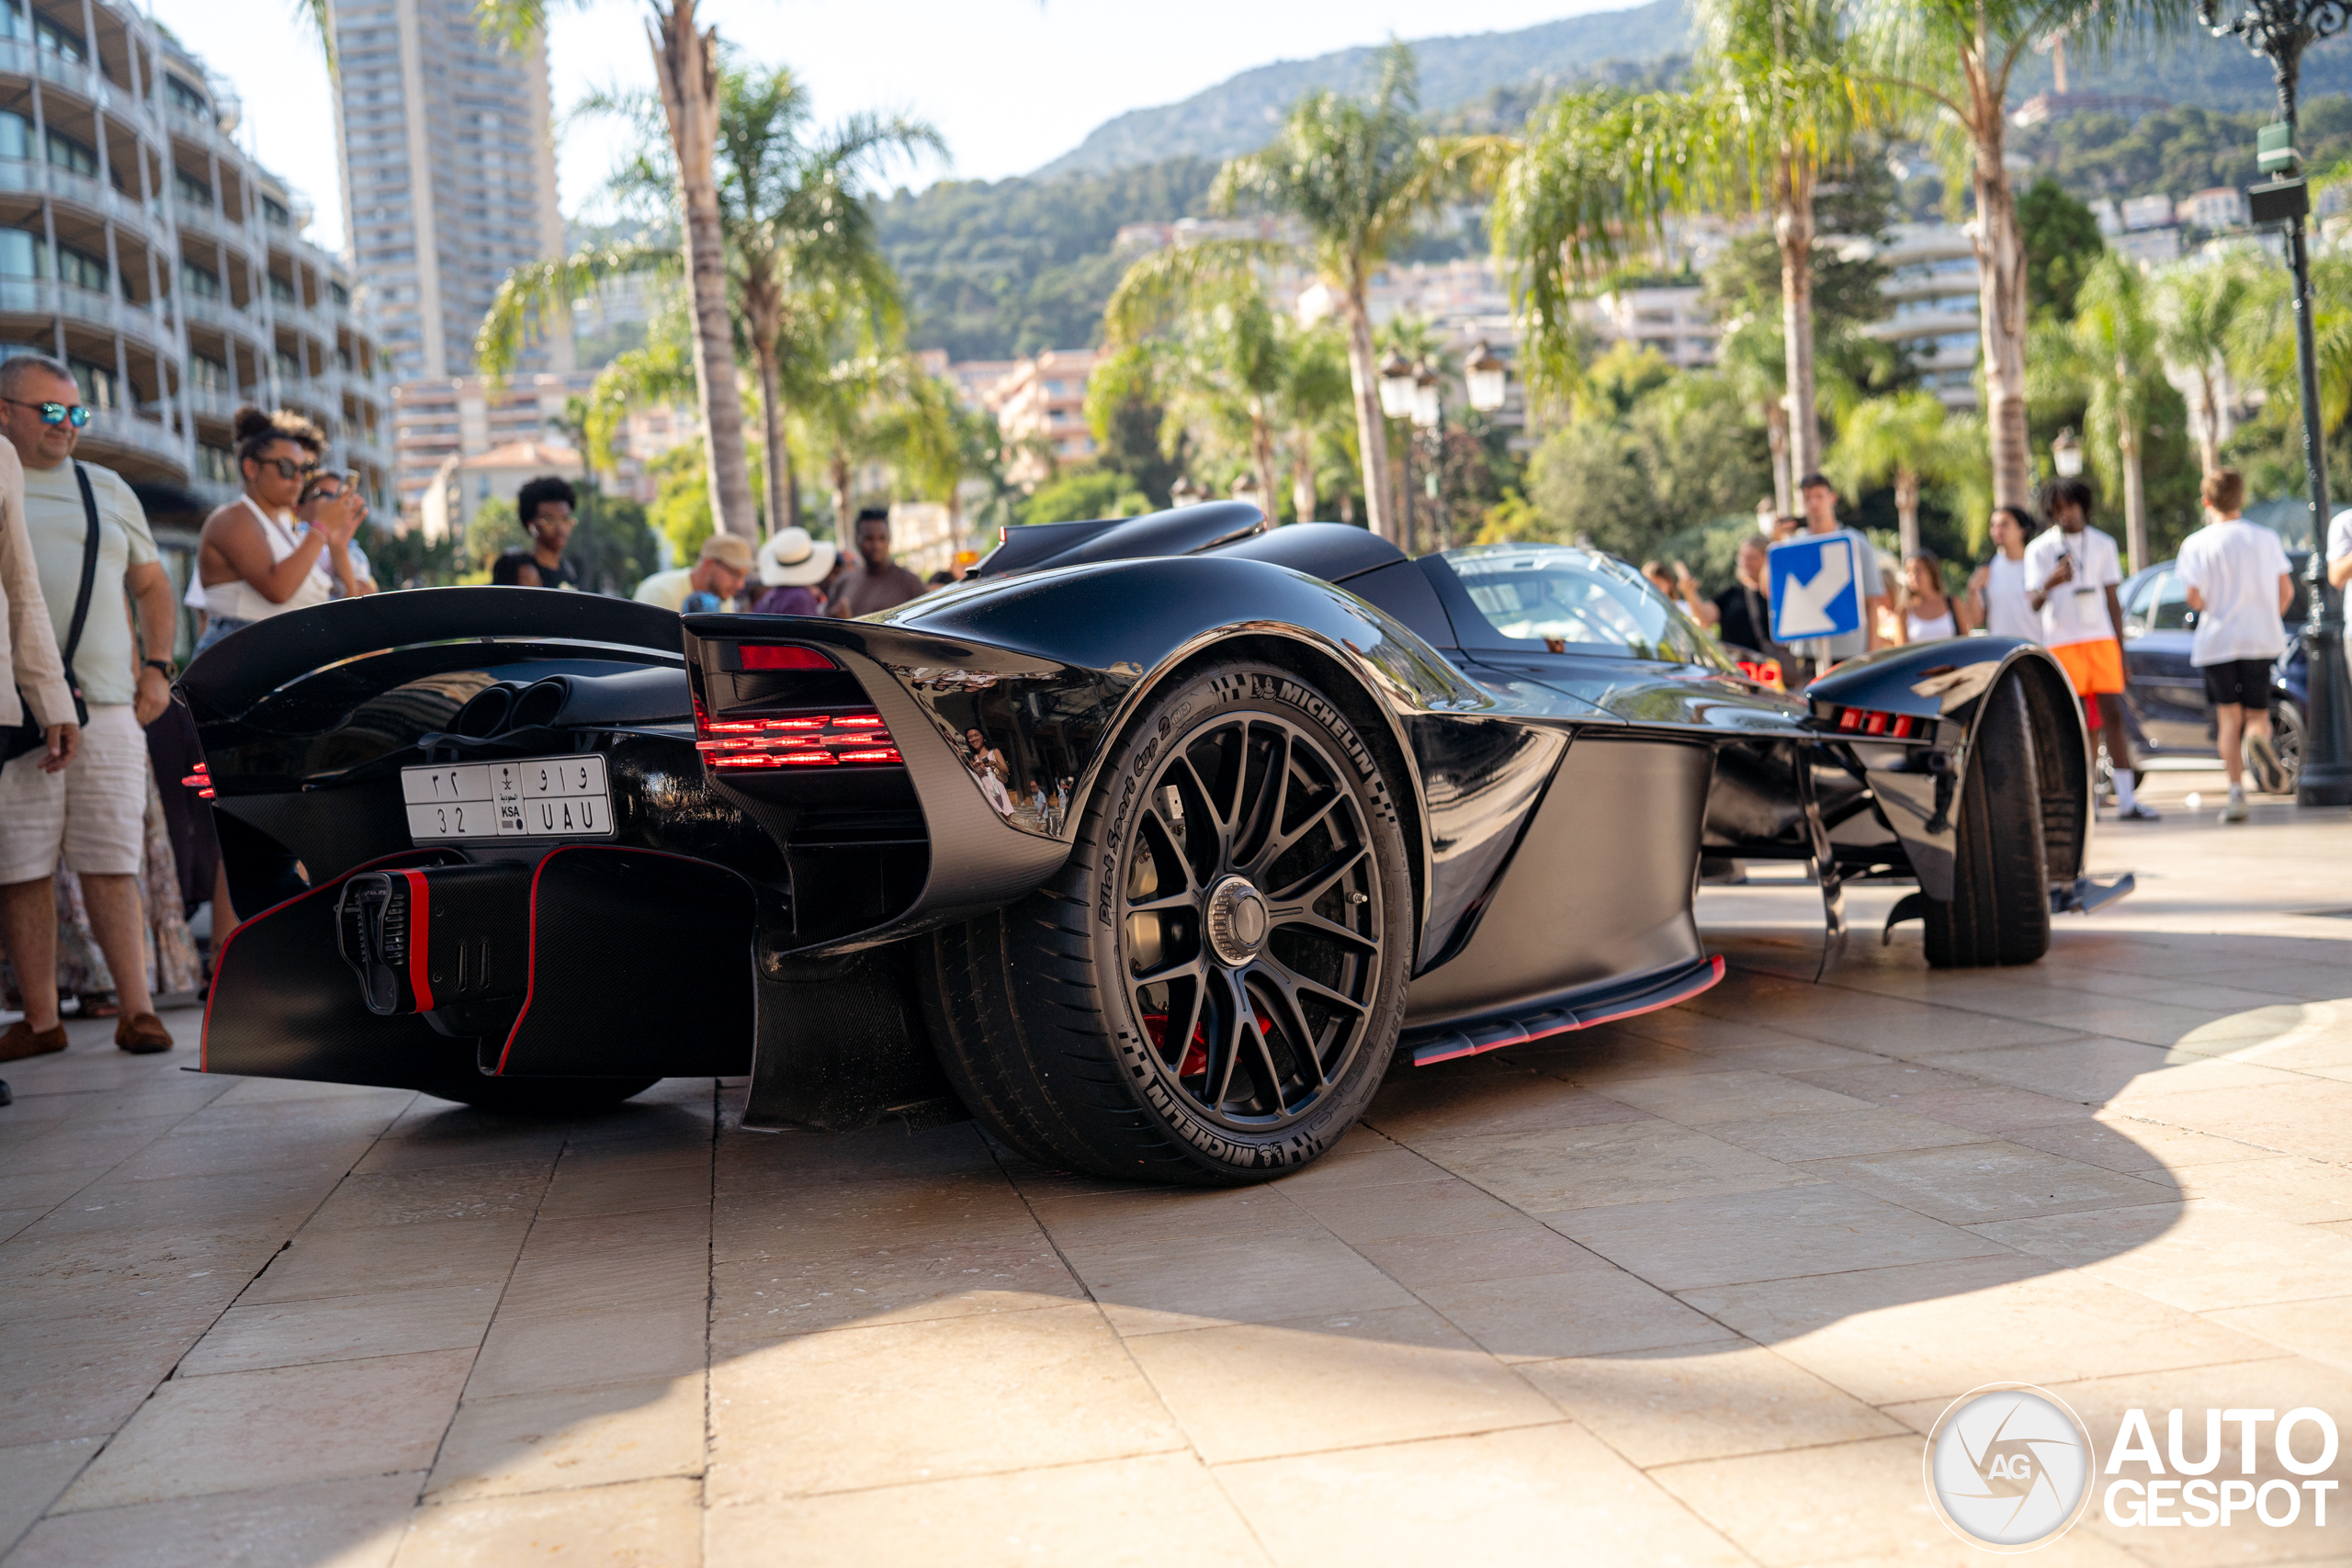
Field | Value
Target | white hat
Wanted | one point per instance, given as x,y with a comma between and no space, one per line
792,560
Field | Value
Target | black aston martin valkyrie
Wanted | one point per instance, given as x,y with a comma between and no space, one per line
1151,845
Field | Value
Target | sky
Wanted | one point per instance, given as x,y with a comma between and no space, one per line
1010,84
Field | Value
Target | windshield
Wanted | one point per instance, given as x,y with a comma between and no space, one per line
1577,601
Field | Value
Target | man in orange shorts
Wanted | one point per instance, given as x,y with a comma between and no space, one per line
2071,574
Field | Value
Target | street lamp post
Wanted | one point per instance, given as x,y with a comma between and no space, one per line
2283,29
1397,389
1428,417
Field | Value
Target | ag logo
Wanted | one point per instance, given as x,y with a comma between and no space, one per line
2008,1467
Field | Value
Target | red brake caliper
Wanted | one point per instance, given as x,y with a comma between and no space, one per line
1196,1054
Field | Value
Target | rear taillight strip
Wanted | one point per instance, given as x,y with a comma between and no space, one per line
1872,722
798,741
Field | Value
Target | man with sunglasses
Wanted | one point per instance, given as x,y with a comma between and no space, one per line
92,814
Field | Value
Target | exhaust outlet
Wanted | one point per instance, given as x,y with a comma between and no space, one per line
451,942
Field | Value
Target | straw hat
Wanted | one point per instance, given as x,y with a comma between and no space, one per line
728,547
792,560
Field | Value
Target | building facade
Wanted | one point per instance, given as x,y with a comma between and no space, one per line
448,174
1040,406
140,244
1931,285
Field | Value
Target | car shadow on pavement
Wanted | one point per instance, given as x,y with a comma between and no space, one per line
1712,1257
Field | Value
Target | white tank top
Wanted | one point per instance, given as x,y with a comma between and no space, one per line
238,599
1926,629
2007,610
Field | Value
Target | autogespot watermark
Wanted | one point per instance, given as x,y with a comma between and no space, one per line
2010,1468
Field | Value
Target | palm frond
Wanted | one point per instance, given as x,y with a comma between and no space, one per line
532,297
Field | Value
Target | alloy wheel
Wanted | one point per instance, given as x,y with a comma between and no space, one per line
1250,931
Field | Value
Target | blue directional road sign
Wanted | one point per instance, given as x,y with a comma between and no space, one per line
1817,586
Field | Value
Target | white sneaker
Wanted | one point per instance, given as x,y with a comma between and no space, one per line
2235,810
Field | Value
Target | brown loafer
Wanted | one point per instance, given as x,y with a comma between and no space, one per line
141,1035
20,1042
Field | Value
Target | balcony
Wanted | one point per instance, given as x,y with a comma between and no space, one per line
206,402
116,428
214,313
81,307
91,196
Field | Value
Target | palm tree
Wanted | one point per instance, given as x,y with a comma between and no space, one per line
1785,104
685,63
1202,315
2107,355
800,244
2196,313
1951,59
1751,358
1313,390
1907,439
1362,175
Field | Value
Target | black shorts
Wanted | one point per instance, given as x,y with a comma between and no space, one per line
2246,681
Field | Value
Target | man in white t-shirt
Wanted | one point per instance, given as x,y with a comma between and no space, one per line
1996,593
2071,574
2240,584
2339,550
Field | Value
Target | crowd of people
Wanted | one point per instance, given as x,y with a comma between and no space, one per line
92,848
2053,579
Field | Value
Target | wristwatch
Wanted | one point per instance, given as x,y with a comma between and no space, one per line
165,665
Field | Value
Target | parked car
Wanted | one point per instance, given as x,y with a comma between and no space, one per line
2165,694
1151,845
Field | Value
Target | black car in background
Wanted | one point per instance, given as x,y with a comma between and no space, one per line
2165,694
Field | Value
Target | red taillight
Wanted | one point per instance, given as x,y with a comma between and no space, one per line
1764,672
200,781
1870,721
820,740
782,656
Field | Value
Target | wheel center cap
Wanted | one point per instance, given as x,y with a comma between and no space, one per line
1236,921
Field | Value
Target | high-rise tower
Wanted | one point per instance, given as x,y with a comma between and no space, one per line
448,174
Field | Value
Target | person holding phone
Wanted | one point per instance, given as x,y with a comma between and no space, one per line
2071,574
253,558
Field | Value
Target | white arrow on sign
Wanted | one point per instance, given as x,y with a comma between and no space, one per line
1805,607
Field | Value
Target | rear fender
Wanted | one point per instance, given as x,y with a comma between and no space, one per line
1048,667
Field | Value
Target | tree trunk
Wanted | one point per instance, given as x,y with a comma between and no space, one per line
1776,438
1261,454
2208,430
782,497
1907,511
685,61
2000,261
1302,476
1793,226
844,520
1371,427
2135,500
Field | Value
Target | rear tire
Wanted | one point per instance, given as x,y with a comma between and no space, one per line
2287,739
1210,990
1999,911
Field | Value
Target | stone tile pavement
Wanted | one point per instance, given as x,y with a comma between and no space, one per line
1684,1289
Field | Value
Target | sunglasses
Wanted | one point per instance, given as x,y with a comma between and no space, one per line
287,468
56,413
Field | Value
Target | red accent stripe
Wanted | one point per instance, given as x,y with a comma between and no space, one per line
1714,974
420,939
221,955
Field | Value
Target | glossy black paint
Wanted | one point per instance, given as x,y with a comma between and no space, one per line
1555,798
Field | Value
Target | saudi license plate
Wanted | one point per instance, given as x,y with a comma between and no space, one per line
531,797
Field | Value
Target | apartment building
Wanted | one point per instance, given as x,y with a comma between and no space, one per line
1671,319
1932,284
448,174
1042,400
460,416
140,244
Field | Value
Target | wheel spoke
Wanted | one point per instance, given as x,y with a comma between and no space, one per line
1301,985
1225,1042
1182,898
1291,1018
1195,967
1314,885
1282,842
1222,825
1265,818
1191,1020
1272,1079
1301,918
